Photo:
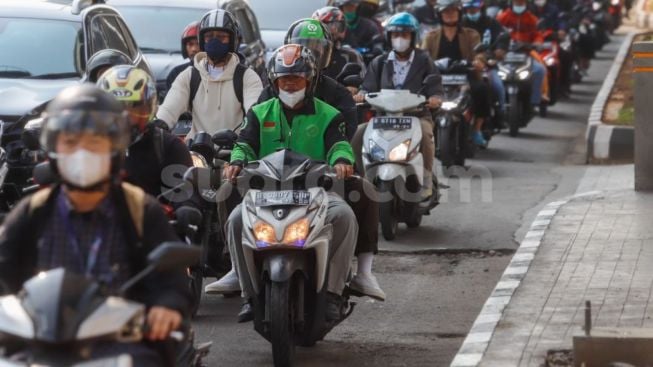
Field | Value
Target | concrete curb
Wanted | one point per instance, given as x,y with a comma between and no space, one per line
478,339
610,143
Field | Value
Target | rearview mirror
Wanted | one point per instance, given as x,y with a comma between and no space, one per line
225,138
350,68
174,255
353,81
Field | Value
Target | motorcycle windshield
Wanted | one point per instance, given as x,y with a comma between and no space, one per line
57,301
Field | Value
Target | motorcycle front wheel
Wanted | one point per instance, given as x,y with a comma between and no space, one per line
387,213
282,333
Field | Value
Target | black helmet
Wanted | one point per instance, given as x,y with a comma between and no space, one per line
313,34
85,108
220,20
106,58
293,59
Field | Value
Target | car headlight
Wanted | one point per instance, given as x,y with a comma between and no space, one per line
264,234
523,75
198,160
296,233
377,154
400,152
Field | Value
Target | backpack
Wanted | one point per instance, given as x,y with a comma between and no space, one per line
134,197
196,79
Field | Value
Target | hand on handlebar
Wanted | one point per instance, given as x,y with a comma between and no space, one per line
434,102
343,170
230,172
161,321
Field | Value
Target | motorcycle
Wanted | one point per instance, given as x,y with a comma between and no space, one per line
59,318
286,249
515,71
393,161
453,122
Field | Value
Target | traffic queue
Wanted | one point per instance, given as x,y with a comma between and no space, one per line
264,172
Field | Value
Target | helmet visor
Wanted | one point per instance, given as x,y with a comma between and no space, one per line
110,124
320,47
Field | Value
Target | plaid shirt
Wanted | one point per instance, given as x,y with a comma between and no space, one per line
55,249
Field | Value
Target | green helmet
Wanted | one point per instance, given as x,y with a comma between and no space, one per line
314,35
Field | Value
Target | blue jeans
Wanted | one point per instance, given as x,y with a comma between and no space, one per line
497,87
539,71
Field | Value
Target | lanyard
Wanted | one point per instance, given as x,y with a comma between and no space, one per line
93,252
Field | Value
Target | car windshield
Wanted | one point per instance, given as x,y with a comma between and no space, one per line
280,14
40,48
157,28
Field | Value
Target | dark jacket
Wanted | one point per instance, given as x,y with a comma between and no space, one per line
364,34
152,160
380,72
22,230
176,71
333,93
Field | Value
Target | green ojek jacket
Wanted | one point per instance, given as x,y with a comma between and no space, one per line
316,130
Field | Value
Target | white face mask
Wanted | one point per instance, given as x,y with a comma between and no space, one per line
84,168
400,44
292,99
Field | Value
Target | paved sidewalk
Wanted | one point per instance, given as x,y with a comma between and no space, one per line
596,247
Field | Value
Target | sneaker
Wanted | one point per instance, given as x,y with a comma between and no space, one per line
478,139
246,313
227,284
366,284
333,307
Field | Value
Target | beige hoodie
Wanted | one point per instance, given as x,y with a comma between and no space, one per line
215,106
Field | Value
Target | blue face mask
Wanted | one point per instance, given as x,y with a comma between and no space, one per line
473,17
216,50
518,9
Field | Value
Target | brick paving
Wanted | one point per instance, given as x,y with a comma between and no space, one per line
597,248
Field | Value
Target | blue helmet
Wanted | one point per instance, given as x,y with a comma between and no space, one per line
402,22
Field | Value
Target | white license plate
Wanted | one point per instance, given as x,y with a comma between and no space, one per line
284,197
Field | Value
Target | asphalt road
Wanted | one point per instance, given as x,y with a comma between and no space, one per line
437,277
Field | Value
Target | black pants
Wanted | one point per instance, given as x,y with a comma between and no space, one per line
480,91
359,193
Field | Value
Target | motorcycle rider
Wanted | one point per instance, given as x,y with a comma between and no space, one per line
522,25
490,31
92,223
405,67
102,61
155,159
426,14
293,73
361,32
217,71
334,19
190,46
455,42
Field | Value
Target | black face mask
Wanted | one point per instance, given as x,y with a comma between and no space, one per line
216,50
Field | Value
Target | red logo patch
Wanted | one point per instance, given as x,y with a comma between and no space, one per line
269,124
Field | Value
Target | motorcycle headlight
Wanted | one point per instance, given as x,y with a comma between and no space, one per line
198,160
377,154
264,234
523,75
400,152
296,233
449,105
